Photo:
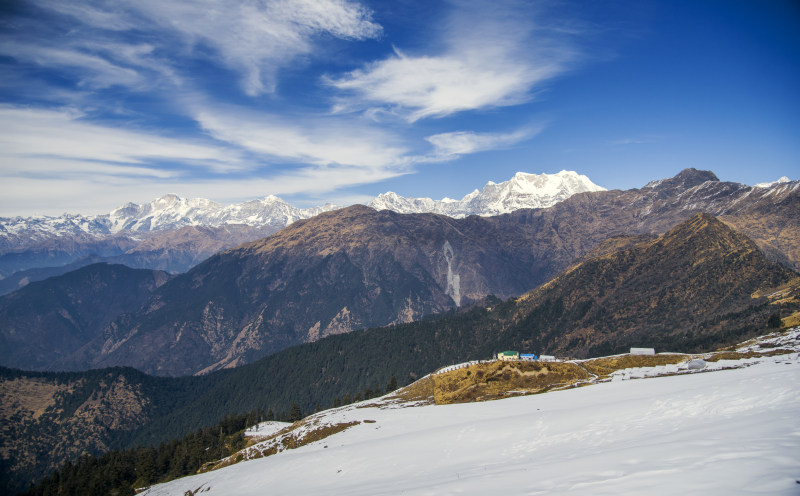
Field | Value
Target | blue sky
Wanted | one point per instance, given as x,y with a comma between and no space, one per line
108,101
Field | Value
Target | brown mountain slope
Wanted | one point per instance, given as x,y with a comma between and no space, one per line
48,320
695,284
47,420
339,271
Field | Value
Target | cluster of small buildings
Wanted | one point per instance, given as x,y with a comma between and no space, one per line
512,356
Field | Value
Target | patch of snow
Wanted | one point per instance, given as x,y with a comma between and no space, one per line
730,432
265,429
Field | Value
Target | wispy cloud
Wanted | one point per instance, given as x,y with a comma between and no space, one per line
254,38
109,164
145,101
314,140
450,145
37,141
490,56
244,156
636,140
90,69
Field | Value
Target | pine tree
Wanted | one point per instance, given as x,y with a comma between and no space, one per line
294,413
392,384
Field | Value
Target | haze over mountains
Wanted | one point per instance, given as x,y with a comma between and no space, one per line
356,267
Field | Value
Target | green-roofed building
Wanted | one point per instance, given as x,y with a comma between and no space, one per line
508,356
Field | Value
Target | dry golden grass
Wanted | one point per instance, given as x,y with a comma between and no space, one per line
29,397
605,366
491,381
738,355
792,320
420,391
784,293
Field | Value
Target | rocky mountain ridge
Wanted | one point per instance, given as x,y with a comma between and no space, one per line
356,267
51,319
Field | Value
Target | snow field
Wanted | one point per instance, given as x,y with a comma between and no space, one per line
732,431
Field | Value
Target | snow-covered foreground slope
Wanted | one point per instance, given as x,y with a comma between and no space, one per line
734,431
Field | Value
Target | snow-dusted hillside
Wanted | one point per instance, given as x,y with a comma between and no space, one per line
732,431
521,191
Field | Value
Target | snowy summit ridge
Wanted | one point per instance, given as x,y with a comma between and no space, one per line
521,191
166,213
171,212
782,180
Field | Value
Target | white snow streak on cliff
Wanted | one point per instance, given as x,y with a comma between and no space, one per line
453,280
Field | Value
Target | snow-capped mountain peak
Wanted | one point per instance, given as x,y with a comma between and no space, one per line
782,180
171,211
524,190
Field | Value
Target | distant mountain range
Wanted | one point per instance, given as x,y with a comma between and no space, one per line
357,267
174,234
171,212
